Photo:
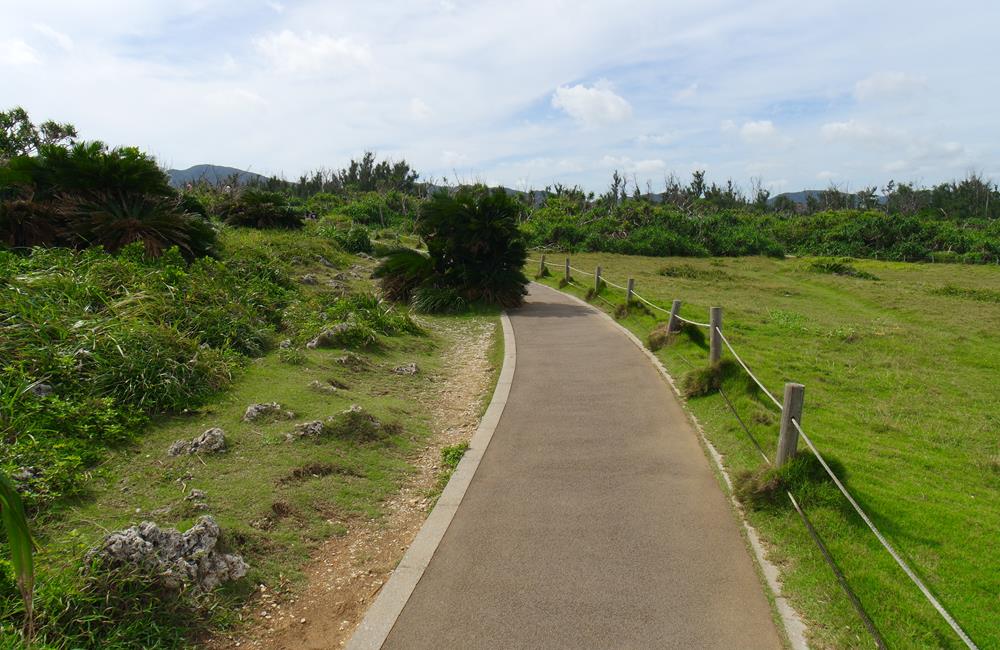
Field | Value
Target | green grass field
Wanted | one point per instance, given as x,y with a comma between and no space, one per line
901,394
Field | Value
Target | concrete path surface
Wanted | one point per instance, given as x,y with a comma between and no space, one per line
594,519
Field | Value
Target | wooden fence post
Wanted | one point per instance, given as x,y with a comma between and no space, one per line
629,287
673,325
597,279
791,409
567,270
714,325
541,266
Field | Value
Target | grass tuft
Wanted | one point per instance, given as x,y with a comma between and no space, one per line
707,379
764,488
842,266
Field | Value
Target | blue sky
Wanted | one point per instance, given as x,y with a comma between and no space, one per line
797,95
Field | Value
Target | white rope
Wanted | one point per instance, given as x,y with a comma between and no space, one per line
747,368
641,299
692,322
573,268
616,286
909,572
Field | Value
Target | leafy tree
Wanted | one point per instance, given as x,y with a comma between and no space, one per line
20,137
366,175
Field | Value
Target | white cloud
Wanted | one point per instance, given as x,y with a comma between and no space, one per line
17,52
419,110
60,39
277,7
760,131
857,132
307,52
453,158
592,106
687,93
755,132
630,166
889,85
656,139
827,175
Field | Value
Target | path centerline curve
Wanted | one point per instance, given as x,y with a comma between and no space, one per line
593,519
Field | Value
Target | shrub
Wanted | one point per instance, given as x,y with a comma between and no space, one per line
401,271
355,240
116,220
257,208
475,244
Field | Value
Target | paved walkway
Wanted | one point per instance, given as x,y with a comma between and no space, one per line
594,519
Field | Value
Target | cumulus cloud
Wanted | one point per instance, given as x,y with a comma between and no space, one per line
857,132
755,132
592,106
17,52
307,52
889,85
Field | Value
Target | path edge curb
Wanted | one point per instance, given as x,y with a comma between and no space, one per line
795,627
381,617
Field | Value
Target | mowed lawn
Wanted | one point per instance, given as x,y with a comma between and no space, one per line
902,377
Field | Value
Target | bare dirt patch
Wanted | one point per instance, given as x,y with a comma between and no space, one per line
345,575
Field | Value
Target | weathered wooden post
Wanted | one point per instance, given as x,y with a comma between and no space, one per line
791,409
674,325
629,287
714,326
567,270
541,266
597,279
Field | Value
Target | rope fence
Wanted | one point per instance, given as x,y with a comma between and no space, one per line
790,432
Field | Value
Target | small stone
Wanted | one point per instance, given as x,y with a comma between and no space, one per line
268,410
195,495
329,337
211,441
41,390
284,345
309,278
406,369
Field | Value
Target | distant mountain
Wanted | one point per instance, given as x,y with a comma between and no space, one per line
211,174
801,197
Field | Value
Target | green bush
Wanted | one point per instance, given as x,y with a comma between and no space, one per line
89,195
355,240
255,208
475,244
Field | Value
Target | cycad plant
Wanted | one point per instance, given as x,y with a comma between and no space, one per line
15,522
475,253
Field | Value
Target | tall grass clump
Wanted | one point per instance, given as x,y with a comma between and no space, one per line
93,344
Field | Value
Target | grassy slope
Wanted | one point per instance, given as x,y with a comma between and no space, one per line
900,390
245,487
